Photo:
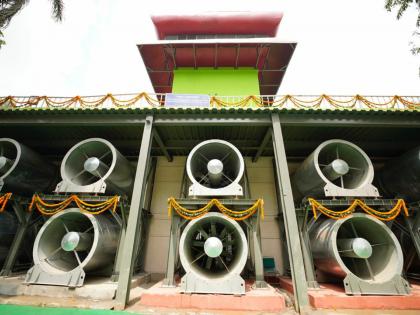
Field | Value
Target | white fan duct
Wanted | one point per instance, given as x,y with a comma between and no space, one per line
362,251
213,252
337,168
70,244
215,168
22,170
95,166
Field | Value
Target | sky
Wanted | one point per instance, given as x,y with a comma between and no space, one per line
345,47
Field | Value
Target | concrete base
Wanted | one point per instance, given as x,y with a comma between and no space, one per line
94,288
332,296
264,300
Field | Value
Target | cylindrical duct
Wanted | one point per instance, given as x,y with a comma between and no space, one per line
358,244
400,177
213,247
71,239
22,170
95,166
336,168
215,168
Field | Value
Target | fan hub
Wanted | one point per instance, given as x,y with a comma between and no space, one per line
213,247
357,247
4,162
215,171
336,169
76,241
95,166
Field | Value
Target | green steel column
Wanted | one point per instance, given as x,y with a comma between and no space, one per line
133,224
300,286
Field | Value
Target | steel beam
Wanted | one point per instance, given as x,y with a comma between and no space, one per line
24,219
300,286
134,225
169,280
349,119
263,145
161,145
216,120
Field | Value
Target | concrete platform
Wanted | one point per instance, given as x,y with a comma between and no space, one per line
263,300
95,288
332,296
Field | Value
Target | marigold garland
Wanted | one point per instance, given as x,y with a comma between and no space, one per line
53,208
188,214
274,101
3,201
381,215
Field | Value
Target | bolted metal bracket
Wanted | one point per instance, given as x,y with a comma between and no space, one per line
356,286
233,189
72,279
65,187
231,284
367,190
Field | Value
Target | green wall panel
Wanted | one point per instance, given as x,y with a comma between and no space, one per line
222,81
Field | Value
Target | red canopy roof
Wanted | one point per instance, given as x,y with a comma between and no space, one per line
240,23
271,59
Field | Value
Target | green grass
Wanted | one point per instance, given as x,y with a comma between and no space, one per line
8,309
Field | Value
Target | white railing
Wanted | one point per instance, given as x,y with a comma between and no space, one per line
146,100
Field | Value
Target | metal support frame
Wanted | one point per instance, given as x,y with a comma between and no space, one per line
134,219
413,227
172,260
263,145
254,235
300,287
24,219
118,257
161,145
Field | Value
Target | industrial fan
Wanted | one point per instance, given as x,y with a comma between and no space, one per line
361,250
336,168
70,244
22,170
215,168
94,165
213,252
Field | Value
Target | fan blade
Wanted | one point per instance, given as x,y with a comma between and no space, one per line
213,229
203,233
208,262
198,243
